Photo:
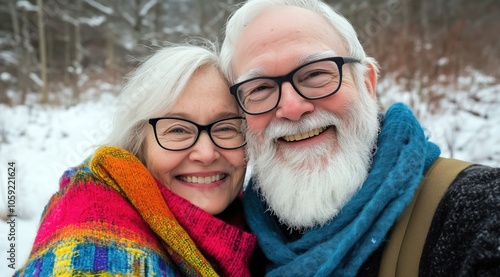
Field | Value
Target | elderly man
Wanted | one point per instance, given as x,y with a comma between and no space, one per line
332,176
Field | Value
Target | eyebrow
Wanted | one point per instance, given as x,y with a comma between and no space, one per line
316,56
218,115
261,72
252,73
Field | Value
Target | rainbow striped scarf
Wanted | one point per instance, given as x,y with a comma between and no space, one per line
111,218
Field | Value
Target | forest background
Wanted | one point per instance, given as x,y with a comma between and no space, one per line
436,56
54,49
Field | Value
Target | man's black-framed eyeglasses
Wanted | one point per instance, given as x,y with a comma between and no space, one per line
176,134
313,80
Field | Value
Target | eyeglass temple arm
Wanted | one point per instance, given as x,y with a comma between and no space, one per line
350,60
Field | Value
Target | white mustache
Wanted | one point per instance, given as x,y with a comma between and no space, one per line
319,119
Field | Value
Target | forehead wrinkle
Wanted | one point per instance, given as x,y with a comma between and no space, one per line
303,59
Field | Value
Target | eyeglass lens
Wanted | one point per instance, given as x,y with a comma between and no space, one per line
315,80
178,134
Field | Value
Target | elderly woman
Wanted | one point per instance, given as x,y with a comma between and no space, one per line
162,199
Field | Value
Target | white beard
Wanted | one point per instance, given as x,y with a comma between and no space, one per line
308,187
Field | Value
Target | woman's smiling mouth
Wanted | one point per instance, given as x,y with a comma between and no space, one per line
202,179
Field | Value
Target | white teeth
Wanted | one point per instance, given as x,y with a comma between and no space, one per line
306,135
201,180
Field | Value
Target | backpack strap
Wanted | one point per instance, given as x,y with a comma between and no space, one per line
401,256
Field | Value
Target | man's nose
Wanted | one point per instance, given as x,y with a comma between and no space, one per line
292,106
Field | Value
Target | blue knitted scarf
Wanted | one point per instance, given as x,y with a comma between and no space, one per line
340,247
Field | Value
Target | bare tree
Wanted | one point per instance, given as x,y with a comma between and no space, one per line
43,55
77,62
16,42
67,51
110,48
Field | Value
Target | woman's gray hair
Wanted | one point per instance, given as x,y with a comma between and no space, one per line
252,8
153,88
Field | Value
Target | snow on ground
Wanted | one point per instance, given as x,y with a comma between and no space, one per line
44,141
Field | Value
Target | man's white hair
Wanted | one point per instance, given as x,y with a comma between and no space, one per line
252,8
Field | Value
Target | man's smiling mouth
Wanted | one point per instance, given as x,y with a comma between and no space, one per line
305,135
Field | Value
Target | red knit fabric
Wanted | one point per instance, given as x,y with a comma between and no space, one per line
227,246
87,203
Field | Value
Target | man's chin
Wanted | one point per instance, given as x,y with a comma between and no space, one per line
308,186
302,194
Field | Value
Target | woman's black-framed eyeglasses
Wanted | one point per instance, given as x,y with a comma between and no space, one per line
176,134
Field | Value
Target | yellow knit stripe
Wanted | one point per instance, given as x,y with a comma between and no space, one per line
62,262
99,231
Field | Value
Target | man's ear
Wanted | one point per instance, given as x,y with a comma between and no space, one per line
371,79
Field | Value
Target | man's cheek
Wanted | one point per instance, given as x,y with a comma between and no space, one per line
258,123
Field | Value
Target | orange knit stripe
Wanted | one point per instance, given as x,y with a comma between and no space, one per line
113,165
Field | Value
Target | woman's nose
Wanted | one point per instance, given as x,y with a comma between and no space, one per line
204,150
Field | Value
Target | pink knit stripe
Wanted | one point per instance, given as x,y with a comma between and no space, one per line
91,202
226,245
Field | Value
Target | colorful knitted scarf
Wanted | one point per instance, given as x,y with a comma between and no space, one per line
340,247
111,218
